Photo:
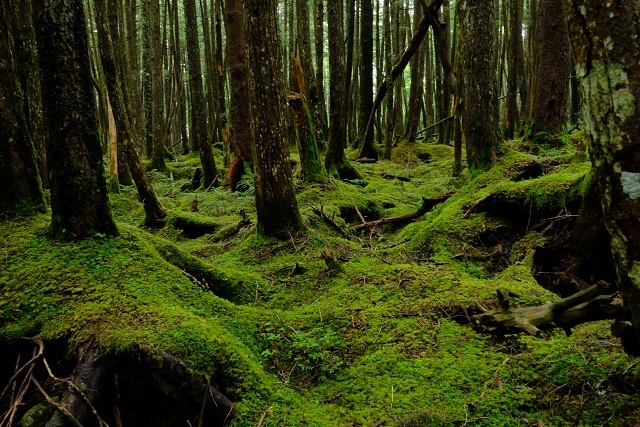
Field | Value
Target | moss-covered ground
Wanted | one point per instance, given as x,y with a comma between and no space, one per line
297,345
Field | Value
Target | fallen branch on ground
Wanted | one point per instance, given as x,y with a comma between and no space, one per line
427,205
330,221
587,305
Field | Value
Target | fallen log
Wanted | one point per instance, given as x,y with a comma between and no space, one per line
427,205
326,218
587,305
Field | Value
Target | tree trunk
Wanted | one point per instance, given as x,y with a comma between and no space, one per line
367,149
312,169
416,90
240,107
319,48
154,211
157,96
606,61
478,79
276,203
20,186
198,105
551,84
336,162
514,43
79,203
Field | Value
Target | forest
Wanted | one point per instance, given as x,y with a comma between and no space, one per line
319,213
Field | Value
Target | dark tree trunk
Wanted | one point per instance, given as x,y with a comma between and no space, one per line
178,66
551,84
416,89
367,149
198,105
478,79
514,42
389,114
275,198
154,211
147,98
20,187
79,202
157,95
319,48
335,161
239,107
606,62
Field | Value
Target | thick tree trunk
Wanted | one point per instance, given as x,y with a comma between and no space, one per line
198,105
336,162
606,61
478,79
79,202
20,186
275,198
551,84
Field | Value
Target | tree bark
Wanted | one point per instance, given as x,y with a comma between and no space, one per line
367,149
240,107
606,61
276,202
514,43
336,162
157,96
478,79
79,203
551,84
20,186
198,105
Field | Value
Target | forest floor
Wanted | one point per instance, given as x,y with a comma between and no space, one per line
379,341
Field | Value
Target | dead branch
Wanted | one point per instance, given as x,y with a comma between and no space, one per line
587,305
55,404
475,204
427,205
330,221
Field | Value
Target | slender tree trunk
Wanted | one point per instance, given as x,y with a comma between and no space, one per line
367,149
240,106
154,211
178,64
349,86
275,198
416,89
147,93
336,162
389,114
79,203
514,43
198,104
323,133
157,95
478,75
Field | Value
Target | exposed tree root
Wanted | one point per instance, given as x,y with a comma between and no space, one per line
91,398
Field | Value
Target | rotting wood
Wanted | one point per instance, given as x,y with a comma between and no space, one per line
333,265
587,305
427,205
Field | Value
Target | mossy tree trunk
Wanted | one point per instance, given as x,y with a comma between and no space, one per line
551,81
240,106
477,34
198,104
154,211
312,169
20,187
276,202
79,202
335,161
606,60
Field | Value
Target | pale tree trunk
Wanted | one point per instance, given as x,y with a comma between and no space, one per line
606,60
